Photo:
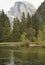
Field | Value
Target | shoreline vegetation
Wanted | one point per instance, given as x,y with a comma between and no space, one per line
23,44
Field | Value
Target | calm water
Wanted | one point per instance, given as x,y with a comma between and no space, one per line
22,56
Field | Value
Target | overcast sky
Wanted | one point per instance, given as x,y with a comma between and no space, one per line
7,4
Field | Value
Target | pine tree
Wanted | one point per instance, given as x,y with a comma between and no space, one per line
36,24
16,31
28,23
29,31
6,32
1,29
4,27
23,23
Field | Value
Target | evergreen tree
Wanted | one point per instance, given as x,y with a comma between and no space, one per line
16,31
1,29
36,24
6,32
28,22
23,23
4,27
30,30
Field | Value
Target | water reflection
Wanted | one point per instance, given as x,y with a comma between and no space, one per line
11,58
24,56
4,56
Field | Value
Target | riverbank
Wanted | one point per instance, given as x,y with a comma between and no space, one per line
23,44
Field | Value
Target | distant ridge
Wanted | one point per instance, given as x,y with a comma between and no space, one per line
41,12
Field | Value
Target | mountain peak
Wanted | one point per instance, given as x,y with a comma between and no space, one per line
20,7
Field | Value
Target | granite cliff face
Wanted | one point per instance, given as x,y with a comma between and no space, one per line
19,8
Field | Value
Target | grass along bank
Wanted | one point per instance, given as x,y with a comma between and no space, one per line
23,44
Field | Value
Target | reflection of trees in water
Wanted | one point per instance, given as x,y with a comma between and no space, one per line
11,58
30,56
4,56
26,56
41,55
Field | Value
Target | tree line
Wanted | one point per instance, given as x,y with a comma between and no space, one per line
26,29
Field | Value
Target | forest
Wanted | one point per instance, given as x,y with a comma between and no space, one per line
27,29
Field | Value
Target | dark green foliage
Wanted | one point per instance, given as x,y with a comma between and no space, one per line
28,21
16,31
43,31
4,28
35,24
28,28
39,18
23,23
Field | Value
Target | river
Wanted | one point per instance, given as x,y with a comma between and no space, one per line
22,56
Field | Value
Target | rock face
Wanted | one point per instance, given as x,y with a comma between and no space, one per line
19,8
41,12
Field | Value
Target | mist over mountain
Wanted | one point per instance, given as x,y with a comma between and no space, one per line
18,8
